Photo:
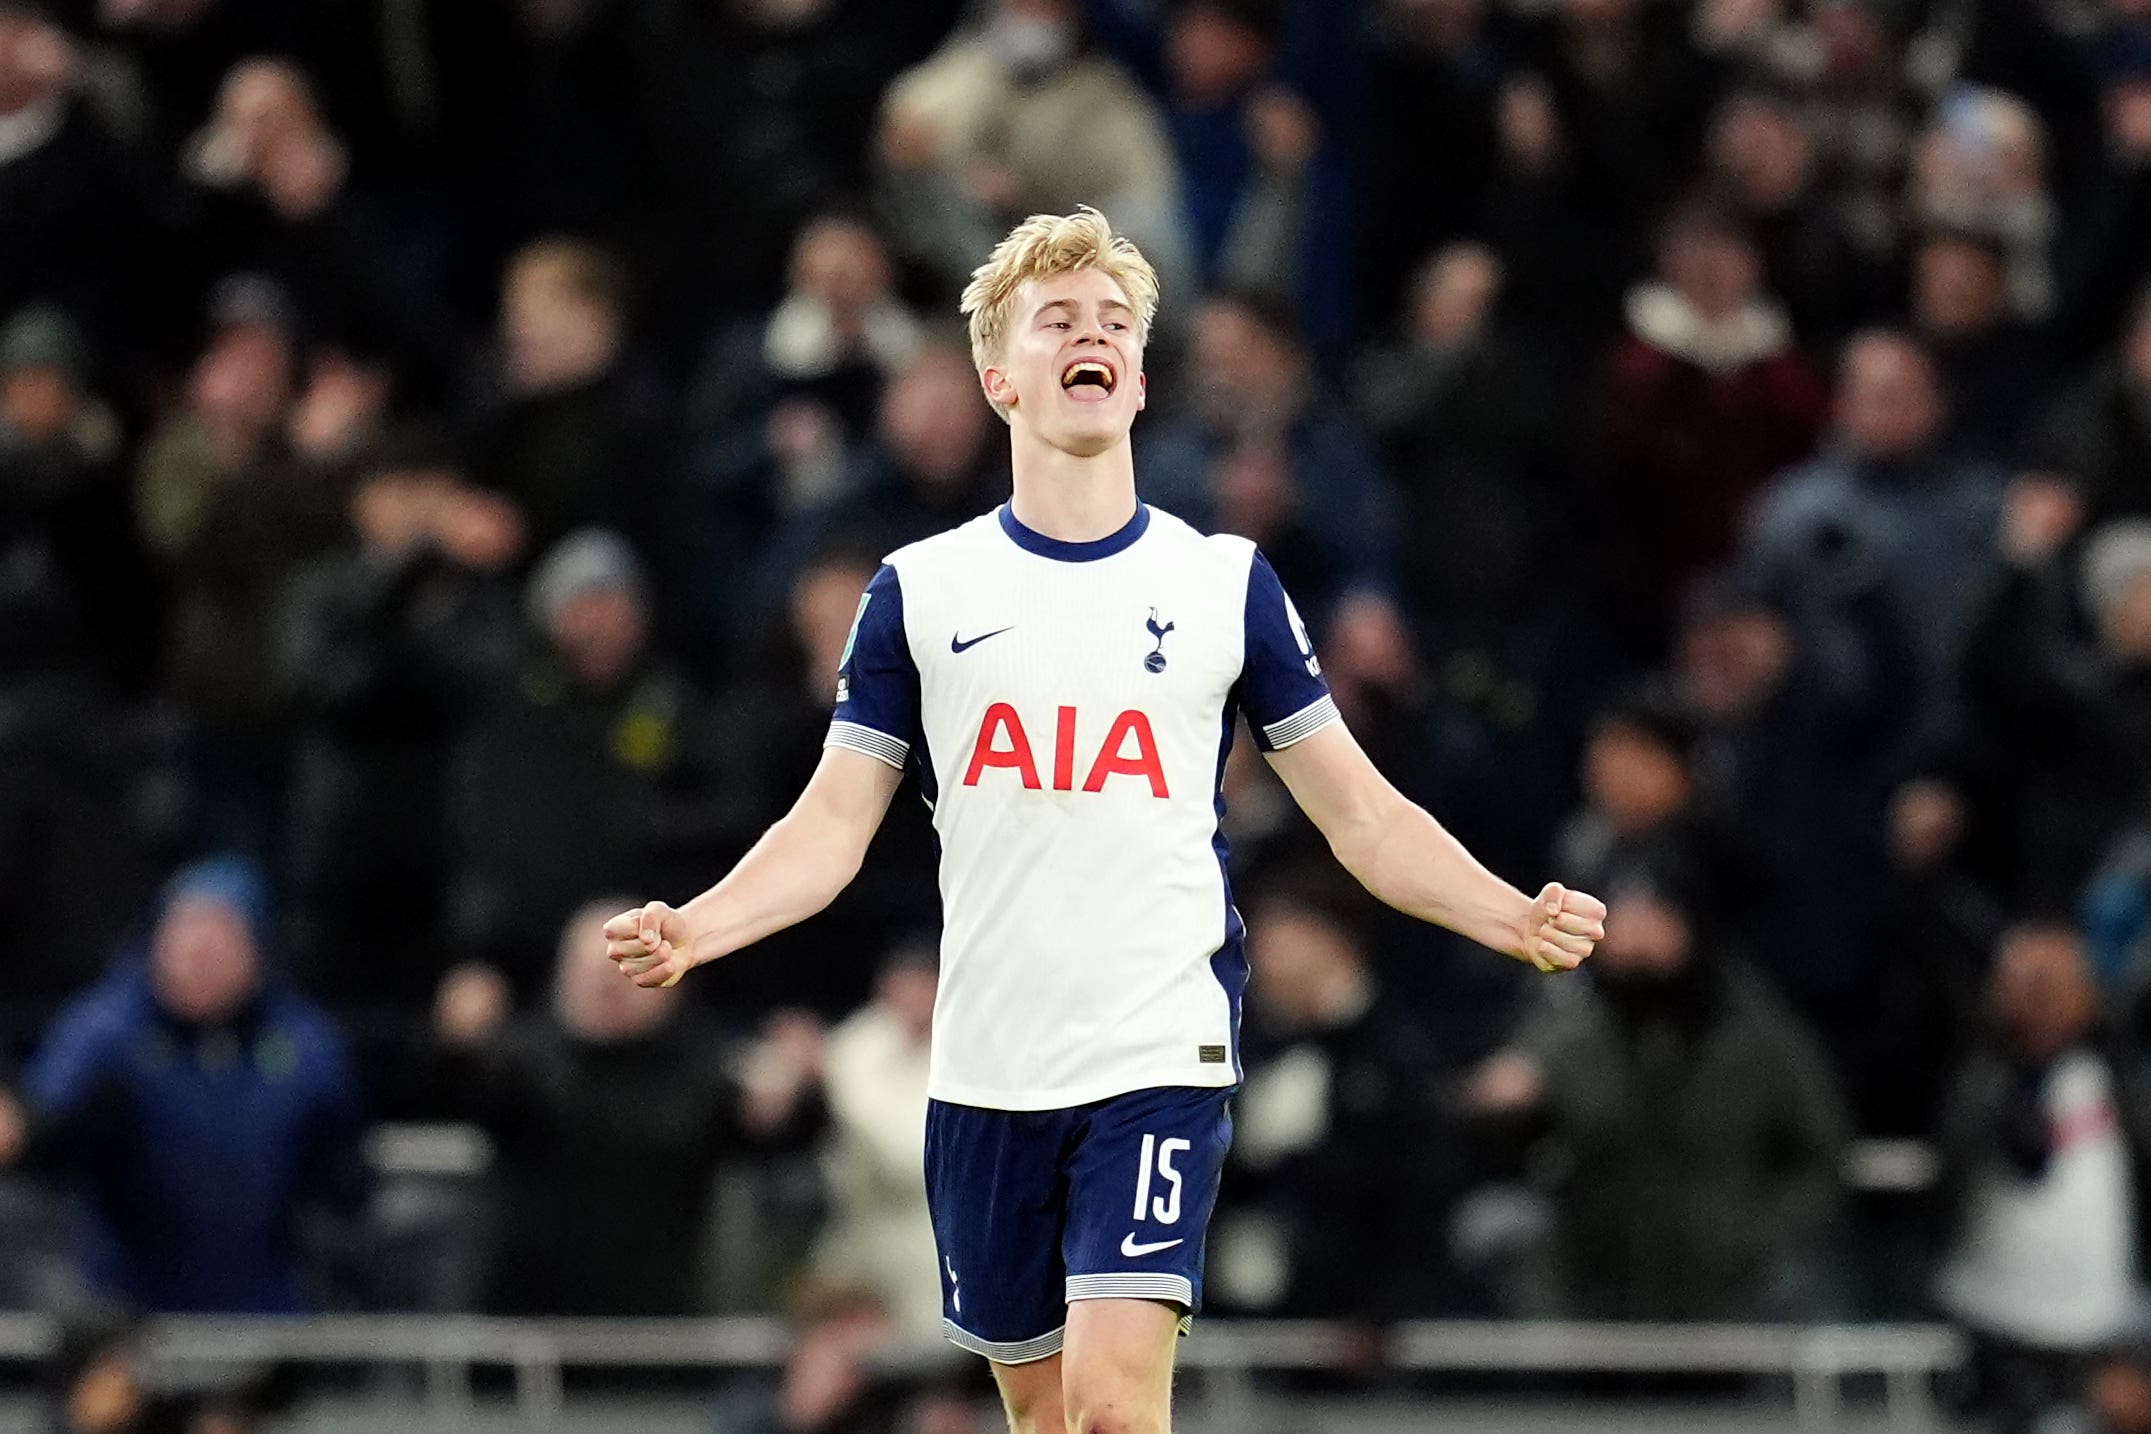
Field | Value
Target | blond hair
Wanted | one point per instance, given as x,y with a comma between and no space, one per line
1045,246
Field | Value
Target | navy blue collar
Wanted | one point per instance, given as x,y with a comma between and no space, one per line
1032,541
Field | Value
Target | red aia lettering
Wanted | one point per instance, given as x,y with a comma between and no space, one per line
1002,742
1144,763
1001,717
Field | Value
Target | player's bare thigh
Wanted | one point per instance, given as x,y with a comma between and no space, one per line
1114,1374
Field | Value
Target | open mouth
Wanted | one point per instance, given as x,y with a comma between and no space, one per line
1089,380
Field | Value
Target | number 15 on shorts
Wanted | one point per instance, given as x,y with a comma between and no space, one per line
1157,1160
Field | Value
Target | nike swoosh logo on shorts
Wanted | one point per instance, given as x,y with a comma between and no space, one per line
958,644
1132,1250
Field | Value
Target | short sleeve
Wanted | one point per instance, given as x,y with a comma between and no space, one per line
1281,686
877,699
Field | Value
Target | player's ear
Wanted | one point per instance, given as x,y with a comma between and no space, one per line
1000,389
1142,391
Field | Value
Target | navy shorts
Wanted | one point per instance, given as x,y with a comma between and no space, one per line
1034,1209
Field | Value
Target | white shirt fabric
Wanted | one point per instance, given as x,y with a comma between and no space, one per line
2051,1262
1068,708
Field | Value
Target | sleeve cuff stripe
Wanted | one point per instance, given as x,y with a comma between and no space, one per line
861,738
1304,723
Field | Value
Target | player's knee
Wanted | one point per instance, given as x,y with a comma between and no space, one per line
1033,1404
1114,1408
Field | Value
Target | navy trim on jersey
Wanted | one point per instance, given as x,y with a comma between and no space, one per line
877,710
1033,541
1229,962
1281,682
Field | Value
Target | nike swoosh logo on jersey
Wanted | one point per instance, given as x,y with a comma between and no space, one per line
1132,1250
960,644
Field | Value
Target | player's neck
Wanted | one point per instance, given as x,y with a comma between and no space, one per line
1070,498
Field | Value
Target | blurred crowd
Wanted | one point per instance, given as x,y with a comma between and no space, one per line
442,443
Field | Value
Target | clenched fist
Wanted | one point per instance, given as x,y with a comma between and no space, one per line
1562,928
652,944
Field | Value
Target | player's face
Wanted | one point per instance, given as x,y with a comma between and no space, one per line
1071,369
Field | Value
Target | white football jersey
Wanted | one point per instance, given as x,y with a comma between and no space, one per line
1068,708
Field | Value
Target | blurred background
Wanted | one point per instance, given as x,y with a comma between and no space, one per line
442,443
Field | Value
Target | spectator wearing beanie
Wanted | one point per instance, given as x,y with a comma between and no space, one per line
198,1103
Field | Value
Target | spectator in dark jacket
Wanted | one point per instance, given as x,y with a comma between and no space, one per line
1267,453
386,650
573,435
1993,367
1645,799
200,1104
268,189
1330,1209
1475,423
1886,509
939,460
776,713
229,514
2067,716
1705,398
1761,164
1435,69
75,204
590,769
780,399
2100,434
612,1113
74,595
1794,727
2047,1185
1693,1127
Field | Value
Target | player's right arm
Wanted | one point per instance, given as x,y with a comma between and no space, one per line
795,870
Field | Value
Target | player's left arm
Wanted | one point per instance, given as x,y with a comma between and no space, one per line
1408,860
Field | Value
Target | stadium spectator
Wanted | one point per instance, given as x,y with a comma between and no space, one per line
200,1105
2113,220
2047,1158
73,598
1935,932
589,767
1243,142
937,461
780,400
1981,167
1773,701
2100,434
1885,509
1633,99
1331,1205
1436,69
1646,800
612,1089
77,201
791,124
879,1235
1673,1088
1762,166
228,514
1471,415
1265,451
1993,367
268,189
385,652
777,711
573,435
2067,721
976,137
1704,399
